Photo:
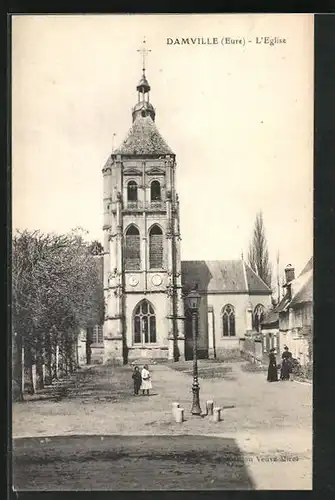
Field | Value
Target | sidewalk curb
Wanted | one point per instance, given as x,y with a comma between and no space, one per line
303,382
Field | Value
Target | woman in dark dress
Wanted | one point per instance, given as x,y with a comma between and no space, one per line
272,370
286,366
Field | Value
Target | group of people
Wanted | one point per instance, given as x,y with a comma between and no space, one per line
286,367
142,380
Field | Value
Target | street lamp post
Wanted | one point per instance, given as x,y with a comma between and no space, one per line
192,302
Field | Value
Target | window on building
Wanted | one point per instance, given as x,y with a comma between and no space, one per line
155,191
155,248
132,249
97,335
228,321
258,317
144,324
132,193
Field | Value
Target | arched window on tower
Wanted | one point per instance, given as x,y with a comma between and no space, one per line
228,321
132,249
258,317
155,247
144,324
132,194
155,193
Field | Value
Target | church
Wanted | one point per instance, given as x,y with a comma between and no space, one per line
144,279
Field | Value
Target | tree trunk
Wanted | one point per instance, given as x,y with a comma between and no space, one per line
77,353
39,365
48,359
88,352
70,355
65,358
55,363
62,359
18,368
29,383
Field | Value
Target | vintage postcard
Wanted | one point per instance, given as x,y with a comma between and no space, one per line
162,252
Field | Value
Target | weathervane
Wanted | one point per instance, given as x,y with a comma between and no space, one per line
144,53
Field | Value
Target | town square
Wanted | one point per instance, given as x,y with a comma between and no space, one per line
114,440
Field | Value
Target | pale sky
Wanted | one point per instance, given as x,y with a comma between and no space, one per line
239,119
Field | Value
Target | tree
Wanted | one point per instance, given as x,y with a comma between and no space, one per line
56,291
258,256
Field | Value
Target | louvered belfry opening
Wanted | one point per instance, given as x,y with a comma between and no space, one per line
156,248
155,191
133,249
132,194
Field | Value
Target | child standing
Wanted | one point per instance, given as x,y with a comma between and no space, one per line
137,380
146,380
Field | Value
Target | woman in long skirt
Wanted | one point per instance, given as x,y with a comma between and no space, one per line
286,366
272,370
146,380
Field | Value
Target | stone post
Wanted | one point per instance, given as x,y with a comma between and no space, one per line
210,407
175,406
179,415
217,414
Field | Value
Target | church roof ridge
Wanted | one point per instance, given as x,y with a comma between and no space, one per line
256,276
222,276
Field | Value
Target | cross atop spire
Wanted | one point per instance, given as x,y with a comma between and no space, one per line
143,107
145,52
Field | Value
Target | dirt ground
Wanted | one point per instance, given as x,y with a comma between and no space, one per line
267,421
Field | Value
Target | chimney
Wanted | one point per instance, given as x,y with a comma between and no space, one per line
289,273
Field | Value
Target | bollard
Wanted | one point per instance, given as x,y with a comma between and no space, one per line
217,415
179,415
174,407
209,407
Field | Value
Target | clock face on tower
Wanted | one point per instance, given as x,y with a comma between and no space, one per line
133,280
156,280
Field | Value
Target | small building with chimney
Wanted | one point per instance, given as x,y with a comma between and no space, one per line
295,313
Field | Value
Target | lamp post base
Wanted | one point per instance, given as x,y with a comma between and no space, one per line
196,410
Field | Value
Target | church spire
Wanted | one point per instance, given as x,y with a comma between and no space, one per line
143,107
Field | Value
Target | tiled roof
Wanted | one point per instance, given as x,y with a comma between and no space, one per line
143,139
270,318
255,283
283,304
307,267
305,294
302,289
225,276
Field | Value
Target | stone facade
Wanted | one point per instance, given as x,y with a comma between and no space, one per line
144,278
144,311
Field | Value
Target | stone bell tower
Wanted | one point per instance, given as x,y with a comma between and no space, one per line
144,310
